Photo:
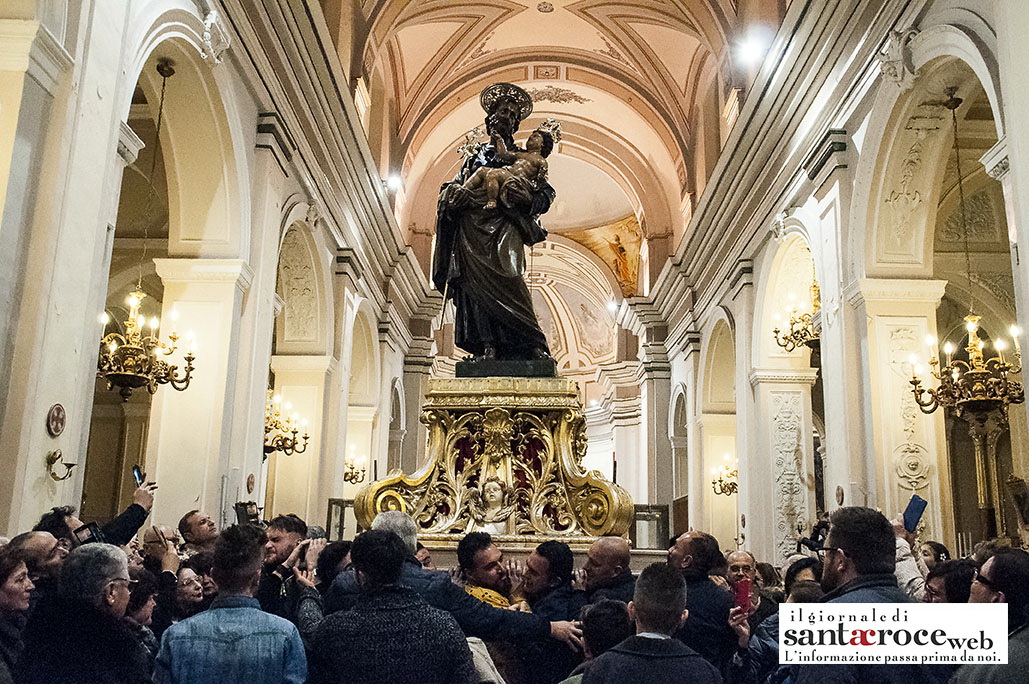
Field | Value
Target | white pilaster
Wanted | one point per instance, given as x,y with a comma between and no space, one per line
190,431
294,481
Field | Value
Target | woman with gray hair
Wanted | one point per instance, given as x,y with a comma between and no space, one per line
77,636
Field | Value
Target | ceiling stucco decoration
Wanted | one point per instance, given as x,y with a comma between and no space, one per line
554,94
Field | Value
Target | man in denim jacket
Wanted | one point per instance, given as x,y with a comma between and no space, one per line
234,641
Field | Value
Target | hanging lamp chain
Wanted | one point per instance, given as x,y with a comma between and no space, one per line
166,69
952,103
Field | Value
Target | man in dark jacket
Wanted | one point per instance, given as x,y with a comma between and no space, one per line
78,636
707,631
391,634
61,522
547,585
476,619
658,608
44,555
279,591
857,567
607,571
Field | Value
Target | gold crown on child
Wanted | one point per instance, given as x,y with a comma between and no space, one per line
553,127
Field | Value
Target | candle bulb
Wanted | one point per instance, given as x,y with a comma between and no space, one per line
948,349
1000,346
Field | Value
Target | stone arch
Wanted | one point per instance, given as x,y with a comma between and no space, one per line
207,215
363,398
717,423
305,325
970,42
678,431
786,278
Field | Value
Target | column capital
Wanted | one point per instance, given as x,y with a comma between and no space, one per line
129,143
783,376
235,271
305,363
995,161
887,290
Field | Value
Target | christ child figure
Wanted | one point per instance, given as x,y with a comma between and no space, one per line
529,166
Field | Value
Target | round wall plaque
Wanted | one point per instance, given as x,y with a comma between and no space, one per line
56,419
250,483
839,495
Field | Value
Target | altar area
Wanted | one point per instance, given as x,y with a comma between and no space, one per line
505,457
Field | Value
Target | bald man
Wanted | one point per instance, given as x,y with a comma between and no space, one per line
607,571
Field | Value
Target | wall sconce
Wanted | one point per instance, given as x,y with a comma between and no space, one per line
725,481
355,467
54,459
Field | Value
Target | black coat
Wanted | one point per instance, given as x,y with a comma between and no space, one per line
74,643
550,660
476,619
619,588
124,527
10,645
641,659
391,635
706,629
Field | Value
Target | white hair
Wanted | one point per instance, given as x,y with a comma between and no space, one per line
88,570
400,524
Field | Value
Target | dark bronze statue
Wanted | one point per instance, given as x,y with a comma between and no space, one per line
483,227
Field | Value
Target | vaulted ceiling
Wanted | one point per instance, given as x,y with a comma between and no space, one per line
644,90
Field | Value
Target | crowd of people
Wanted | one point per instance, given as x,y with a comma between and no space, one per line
125,603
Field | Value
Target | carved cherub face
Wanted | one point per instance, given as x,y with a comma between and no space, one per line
493,493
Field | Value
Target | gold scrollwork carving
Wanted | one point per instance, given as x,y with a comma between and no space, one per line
506,457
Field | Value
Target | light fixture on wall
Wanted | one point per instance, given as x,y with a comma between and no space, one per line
980,386
355,468
132,359
802,326
725,481
282,427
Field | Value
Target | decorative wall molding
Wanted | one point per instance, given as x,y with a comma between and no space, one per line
129,143
310,363
895,62
789,507
216,38
827,155
995,161
48,60
887,290
800,376
298,288
234,271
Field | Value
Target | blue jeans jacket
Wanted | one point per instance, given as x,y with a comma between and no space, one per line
232,642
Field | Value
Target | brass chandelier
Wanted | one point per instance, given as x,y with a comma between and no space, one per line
980,386
725,481
802,325
132,359
282,427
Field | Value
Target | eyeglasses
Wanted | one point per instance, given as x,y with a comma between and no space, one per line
128,582
822,550
985,581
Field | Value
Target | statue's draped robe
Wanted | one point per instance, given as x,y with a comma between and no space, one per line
480,261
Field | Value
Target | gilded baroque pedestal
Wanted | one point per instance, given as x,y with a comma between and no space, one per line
506,458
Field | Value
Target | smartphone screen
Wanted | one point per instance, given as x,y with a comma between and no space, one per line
913,513
741,591
138,475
